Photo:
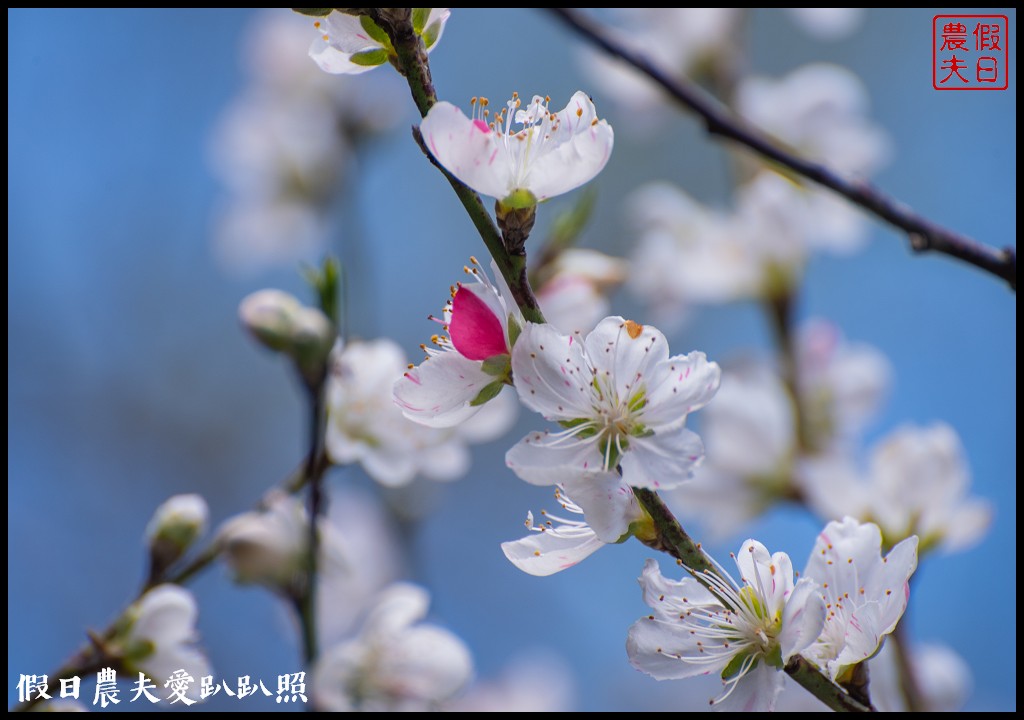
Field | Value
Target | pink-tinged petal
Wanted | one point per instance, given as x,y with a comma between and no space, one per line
538,462
438,392
347,34
624,355
608,504
862,638
551,374
664,460
677,387
754,692
334,61
544,553
468,151
802,619
476,331
656,647
890,583
579,150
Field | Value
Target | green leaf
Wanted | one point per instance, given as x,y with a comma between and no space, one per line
419,19
370,57
514,330
326,283
568,226
374,30
498,366
431,34
489,392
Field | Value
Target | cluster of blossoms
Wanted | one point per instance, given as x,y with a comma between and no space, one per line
689,253
847,600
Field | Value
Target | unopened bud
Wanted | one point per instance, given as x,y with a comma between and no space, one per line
270,316
173,528
280,322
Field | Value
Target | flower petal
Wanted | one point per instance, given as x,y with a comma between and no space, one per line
669,598
467,149
438,393
551,373
476,330
656,647
334,61
802,619
576,159
624,355
663,460
538,461
607,503
677,387
754,692
544,553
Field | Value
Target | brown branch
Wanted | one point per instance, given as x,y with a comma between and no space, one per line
923,234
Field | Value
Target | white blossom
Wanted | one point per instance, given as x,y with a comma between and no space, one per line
745,632
523,154
396,663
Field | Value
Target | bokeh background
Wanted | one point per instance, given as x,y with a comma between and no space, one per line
129,378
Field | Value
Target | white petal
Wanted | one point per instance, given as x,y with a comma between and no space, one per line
347,34
166,615
536,461
803,618
677,387
967,524
653,646
397,608
447,460
545,553
624,355
607,503
577,160
429,663
664,460
391,468
467,150
439,391
754,692
551,373
493,419
334,61
668,598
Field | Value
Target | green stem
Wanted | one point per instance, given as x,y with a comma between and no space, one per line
822,687
671,538
413,64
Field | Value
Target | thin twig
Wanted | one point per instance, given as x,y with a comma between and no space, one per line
923,234
306,604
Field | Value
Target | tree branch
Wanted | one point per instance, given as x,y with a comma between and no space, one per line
923,234
413,64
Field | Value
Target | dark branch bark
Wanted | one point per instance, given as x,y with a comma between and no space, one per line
923,234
